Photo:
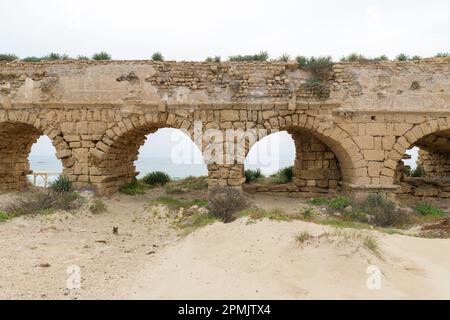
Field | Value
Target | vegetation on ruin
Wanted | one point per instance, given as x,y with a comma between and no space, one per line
317,87
156,178
262,56
284,57
213,59
253,175
101,56
157,56
98,206
61,184
8,57
416,173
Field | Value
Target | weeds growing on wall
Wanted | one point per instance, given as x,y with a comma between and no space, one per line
262,56
157,56
213,59
8,57
101,56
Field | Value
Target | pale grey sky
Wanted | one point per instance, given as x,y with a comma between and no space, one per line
193,30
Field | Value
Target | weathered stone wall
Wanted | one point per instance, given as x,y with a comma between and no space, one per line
435,164
98,113
316,168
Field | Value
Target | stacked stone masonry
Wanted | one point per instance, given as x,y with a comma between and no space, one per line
97,115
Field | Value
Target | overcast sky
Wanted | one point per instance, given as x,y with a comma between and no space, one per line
193,30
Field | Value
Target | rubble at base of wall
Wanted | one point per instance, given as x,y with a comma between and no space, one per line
425,187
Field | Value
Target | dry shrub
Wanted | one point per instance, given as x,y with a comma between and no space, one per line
225,202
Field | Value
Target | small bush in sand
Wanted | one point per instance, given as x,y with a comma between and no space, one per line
430,210
253,175
371,244
133,188
283,176
3,216
61,184
156,178
381,212
225,202
98,206
196,221
304,236
43,203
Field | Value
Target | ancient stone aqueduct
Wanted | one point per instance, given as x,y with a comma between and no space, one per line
98,113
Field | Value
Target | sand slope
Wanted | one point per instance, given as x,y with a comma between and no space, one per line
264,261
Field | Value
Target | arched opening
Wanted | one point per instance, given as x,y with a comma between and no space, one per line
124,156
16,141
44,164
424,170
170,151
314,166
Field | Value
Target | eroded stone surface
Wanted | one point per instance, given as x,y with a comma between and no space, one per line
98,113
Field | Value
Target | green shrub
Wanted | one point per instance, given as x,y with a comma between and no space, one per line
253,175
262,56
3,216
284,58
320,67
157,56
213,59
284,175
32,59
339,203
417,172
402,57
133,188
304,236
442,55
428,209
98,206
225,202
101,56
317,87
61,184
354,57
383,57
156,178
318,201
83,58
55,57
416,57
8,57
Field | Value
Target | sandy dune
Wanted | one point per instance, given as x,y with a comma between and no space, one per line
148,260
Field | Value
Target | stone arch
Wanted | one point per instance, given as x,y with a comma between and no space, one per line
340,142
411,136
19,130
112,159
